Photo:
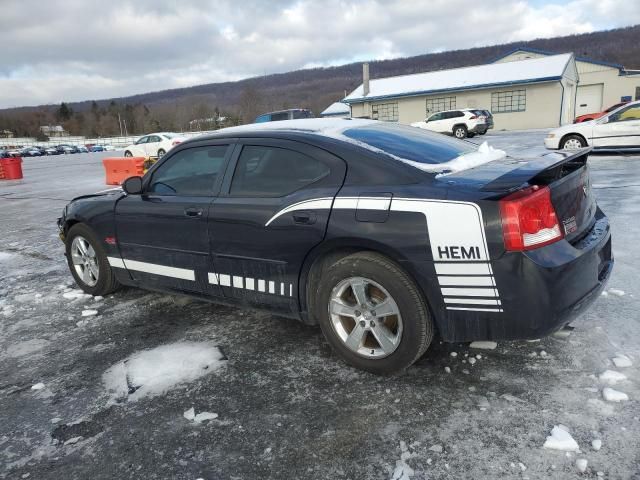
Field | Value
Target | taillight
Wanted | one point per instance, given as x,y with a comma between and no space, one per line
175,142
529,220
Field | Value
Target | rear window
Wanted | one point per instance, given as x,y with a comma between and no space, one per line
410,143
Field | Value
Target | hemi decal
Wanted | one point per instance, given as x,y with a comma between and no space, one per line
153,268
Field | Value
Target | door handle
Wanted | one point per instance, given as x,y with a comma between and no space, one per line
193,212
304,218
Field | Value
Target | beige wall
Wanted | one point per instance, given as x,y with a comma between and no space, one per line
542,110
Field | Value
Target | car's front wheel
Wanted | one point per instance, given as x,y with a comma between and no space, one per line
573,142
372,313
128,154
460,131
88,262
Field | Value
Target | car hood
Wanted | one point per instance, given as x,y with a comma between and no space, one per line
115,192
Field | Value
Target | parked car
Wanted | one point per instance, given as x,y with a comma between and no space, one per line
290,114
459,123
29,152
592,116
153,145
82,149
108,148
617,130
484,114
4,153
15,152
51,151
97,148
68,149
296,222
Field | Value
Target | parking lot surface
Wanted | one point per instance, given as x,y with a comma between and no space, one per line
284,406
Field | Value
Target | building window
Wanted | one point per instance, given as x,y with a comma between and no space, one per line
387,112
439,104
511,101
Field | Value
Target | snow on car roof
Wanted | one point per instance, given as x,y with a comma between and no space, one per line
536,69
335,128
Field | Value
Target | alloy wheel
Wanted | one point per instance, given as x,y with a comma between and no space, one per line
85,261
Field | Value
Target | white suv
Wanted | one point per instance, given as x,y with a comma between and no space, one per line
459,123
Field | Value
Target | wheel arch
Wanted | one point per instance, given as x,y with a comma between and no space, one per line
330,251
574,134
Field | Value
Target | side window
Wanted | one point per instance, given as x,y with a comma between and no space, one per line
263,118
632,112
279,116
190,172
142,140
153,139
274,172
433,118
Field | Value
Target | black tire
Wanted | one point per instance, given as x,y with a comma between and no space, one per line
161,153
106,281
128,154
460,131
482,133
417,326
471,135
571,142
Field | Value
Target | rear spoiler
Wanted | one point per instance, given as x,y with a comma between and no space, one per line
541,170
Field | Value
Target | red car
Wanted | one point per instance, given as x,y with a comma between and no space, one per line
592,116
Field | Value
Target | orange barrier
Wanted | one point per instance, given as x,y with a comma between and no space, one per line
10,168
117,170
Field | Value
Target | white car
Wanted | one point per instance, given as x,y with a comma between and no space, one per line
617,130
459,123
153,145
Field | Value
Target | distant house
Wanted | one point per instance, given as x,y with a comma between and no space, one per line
531,93
601,84
337,110
54,131
6,134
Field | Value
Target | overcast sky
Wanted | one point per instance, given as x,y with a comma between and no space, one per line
68,50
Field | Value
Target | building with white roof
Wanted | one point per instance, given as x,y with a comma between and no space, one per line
337,109
530,93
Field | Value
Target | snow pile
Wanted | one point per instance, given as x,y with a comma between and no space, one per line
74,294
622,361
485,154
561,439
5,256
616,292
611,395
200,417
154,372
483,345
37,386
89,313
612,377
581,465
596,444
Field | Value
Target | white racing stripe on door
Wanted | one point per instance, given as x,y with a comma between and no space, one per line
463,268
312,204
472,301
115,262
469,292
156,269
477,309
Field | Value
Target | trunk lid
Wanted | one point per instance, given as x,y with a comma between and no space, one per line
565,173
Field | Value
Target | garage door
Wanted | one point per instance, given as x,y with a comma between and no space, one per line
589,99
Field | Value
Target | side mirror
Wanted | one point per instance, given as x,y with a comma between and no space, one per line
132,186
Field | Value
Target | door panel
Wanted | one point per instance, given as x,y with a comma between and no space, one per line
621,130
260,240
163,234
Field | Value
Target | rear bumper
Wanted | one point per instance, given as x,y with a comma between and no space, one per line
540,291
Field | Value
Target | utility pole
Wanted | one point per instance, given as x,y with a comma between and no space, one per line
120,123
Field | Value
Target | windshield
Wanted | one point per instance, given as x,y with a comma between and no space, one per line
410,143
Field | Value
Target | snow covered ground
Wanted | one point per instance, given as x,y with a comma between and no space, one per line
159,386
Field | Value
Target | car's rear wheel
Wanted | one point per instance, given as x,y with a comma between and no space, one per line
88,262
128,154
372,314
573,142
460,131
161,153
